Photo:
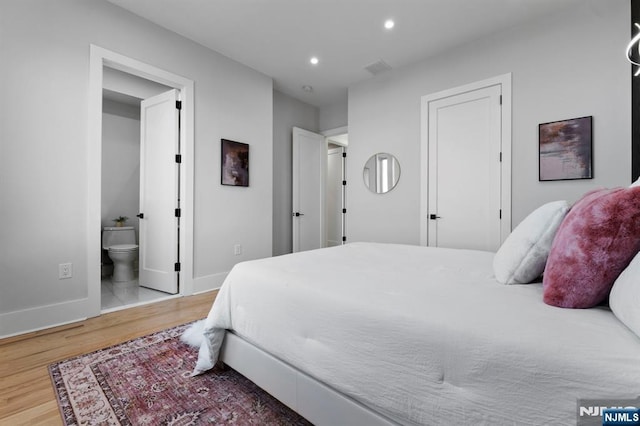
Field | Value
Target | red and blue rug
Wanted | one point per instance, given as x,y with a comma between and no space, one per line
147,381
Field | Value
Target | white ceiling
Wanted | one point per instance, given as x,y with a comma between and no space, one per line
277,37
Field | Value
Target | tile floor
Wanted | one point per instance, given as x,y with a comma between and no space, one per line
119,295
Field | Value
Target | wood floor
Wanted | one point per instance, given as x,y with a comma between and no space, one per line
26,393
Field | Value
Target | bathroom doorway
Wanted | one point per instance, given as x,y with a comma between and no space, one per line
116,162
125,111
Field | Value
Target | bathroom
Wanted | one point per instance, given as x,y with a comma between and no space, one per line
121,197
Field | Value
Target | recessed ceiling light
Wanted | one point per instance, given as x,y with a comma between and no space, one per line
314,60
388,24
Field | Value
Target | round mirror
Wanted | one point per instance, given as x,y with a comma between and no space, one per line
381,173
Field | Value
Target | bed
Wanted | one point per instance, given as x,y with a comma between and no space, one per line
370,333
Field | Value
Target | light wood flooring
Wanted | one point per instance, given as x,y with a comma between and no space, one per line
26,392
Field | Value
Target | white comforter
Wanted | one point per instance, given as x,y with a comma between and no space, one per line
425,335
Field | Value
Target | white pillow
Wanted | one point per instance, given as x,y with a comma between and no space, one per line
624,299
523,255
635,183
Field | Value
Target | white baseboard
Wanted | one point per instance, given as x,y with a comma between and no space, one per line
208,282
42,317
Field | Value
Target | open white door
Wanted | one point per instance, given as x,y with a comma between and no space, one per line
309,175
159,208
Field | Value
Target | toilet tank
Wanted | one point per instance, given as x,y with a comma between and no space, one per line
114,235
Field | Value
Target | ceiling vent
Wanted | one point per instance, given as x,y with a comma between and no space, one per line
378,67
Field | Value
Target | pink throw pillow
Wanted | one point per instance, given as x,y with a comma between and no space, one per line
597,239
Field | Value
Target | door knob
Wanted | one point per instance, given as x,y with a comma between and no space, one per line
296,214
433,216
140,215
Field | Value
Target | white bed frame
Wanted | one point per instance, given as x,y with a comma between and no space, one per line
312,399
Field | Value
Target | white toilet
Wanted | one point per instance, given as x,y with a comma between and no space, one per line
120,243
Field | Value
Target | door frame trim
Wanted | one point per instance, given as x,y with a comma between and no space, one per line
98,59
504,81
335,132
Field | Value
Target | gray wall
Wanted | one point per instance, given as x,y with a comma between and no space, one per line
333,116
568,65
120,167
287,113
44,156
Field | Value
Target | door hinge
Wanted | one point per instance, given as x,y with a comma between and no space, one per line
344,155
178,212
500,214
344,211
501,157
179,105
344,183
344,239
176,267
178,158
500,99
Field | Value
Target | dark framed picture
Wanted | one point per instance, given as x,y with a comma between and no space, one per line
565,149
235,163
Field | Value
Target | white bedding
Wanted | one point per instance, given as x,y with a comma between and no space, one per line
425,335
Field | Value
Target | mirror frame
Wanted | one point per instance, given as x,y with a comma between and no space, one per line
386,174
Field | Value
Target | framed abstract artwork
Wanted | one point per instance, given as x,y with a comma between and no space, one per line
235,163
565,149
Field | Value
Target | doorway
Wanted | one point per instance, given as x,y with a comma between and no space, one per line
103,63
336,205
138,141
466,166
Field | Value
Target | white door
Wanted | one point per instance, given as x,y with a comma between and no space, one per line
158,239
464,170
309,171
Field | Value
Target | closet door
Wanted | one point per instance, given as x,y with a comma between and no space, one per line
465,170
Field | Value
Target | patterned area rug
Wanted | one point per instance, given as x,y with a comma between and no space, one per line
147,381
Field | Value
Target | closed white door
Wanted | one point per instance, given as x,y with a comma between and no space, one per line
159,171
464,181
308,199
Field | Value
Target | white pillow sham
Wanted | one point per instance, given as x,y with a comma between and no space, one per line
624,299
523,255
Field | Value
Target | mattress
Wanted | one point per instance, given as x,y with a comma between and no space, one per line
425,335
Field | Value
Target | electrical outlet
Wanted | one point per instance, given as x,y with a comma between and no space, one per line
65,270
237,249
